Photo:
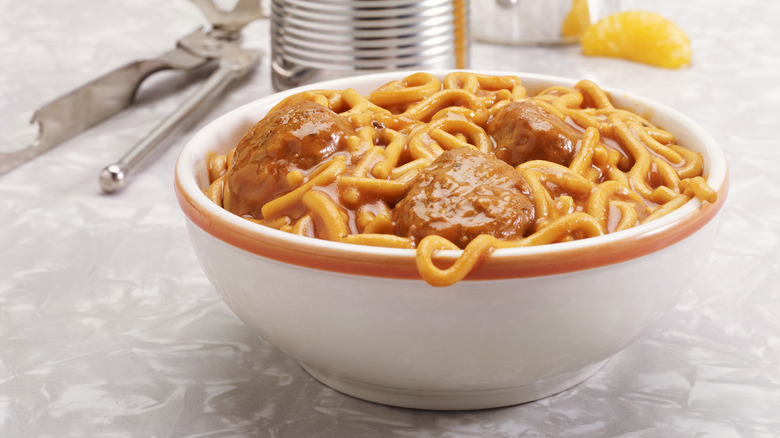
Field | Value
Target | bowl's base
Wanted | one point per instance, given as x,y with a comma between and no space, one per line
453,400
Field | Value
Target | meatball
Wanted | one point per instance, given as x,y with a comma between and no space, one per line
462,194
524,131
298,137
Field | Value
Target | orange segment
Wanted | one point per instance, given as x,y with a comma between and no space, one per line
577,20
638,36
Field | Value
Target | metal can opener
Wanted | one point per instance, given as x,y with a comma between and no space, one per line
101,98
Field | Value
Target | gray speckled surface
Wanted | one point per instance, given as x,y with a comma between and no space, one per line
108,326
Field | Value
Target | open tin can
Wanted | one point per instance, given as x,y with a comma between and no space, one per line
315,40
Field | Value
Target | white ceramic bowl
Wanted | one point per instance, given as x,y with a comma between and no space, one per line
530,322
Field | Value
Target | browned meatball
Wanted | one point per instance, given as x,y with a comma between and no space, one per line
462,194
524,131
294,138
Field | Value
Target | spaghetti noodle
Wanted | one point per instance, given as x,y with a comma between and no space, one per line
465,155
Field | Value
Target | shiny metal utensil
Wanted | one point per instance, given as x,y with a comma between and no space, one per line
106,95
232,64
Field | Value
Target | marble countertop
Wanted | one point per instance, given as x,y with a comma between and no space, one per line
108,326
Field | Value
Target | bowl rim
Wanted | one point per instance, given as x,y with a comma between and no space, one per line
399,263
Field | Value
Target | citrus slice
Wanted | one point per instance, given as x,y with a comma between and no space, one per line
577,20
638,36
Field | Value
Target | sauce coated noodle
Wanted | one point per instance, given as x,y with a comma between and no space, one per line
612,171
